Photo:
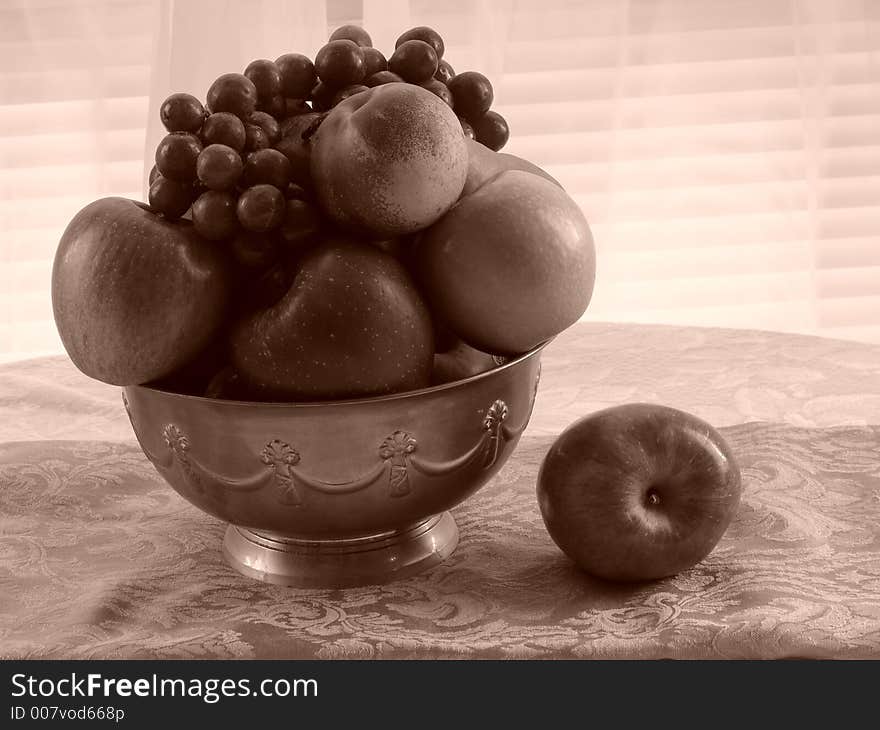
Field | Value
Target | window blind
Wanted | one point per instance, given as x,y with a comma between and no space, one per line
74,87
726,152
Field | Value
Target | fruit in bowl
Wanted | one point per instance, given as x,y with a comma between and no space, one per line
389,161
510,265
460,361
135,296
352,324
328,321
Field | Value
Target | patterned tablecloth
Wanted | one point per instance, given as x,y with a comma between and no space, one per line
99,558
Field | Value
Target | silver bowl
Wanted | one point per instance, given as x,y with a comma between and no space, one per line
338,493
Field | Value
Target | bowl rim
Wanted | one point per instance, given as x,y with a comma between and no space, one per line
405,395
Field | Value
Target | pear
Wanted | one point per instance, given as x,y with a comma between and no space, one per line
351,325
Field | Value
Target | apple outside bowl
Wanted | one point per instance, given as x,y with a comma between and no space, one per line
341,493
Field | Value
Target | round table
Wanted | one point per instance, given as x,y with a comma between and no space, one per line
99,558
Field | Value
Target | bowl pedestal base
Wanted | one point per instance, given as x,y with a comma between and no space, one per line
368,560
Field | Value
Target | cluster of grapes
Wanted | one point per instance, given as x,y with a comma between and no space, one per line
239,164
349,64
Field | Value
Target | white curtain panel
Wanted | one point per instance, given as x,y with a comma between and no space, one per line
726,152
74,86
199,40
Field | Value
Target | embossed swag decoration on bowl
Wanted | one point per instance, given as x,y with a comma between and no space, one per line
340,493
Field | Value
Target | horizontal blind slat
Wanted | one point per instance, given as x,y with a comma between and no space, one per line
52,213
674,261
847,253
691,141
647,114
848,311
79,115
74,84
44,21
695,232
52,56
44,181
97,147
745,74
722,289
860,281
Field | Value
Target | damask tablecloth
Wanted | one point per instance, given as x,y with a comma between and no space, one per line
99,558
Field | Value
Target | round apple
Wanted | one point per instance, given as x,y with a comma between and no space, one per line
135,296
638,491
511,265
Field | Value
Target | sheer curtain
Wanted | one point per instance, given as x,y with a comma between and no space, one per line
726,152
74,93
200,39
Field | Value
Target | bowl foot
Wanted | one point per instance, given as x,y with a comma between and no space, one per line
368,560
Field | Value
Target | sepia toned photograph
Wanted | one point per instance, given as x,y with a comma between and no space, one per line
419,330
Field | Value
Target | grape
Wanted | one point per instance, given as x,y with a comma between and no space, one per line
296,149
297,75
472,93
169,197
297,122
214,215
268,124
467,128
254,251
296,192
182,113
266,78
295,107
233,93
492,130
255,138
219,167
347,92
352,33
276,106
425,34
414,61
374,62
321,96
176,156
224,128
154,173
301,223
267,166
445,72
382,77
261,208
440,89
340,63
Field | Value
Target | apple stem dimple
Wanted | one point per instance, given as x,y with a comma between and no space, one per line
652,497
